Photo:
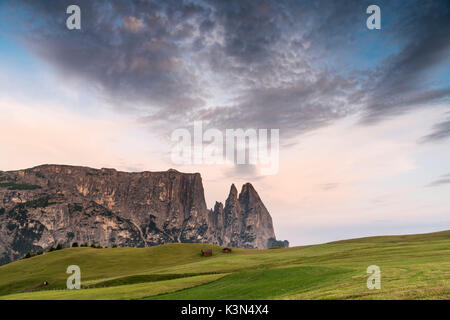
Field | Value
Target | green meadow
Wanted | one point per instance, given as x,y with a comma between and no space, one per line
412,267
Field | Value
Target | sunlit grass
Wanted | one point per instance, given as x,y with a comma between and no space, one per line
412,267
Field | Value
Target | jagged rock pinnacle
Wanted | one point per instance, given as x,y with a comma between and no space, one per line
108,207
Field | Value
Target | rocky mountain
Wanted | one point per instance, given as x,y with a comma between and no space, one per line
55,204
244,221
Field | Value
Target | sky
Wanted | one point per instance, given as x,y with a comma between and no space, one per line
363,115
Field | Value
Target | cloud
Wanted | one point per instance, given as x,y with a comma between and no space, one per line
406,79
133,24
444,179
282,64
441,131
329,186
242,171
300,107
133,53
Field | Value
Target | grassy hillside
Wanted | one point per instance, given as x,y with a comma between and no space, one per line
412,267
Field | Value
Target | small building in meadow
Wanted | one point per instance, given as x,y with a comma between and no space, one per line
206,252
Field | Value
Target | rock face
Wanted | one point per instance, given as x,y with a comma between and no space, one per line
244,221
52,204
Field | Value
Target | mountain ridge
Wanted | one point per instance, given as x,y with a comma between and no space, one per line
50,204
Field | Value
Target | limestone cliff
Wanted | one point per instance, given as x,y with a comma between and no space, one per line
244,221
52,204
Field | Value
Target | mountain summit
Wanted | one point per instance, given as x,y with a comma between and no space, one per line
244,221
55,204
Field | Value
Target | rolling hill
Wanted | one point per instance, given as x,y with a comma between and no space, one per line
412,267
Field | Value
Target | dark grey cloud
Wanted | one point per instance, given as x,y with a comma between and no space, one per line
405,80
132,52
441,131
292,65
444,179
251,28
300,107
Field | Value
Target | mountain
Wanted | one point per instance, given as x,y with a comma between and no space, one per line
244,222
54,204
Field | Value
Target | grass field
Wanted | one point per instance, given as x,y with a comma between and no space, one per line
412,267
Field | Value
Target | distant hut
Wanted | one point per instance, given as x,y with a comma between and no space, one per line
206,252
226,250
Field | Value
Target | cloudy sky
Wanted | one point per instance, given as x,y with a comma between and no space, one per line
364,115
